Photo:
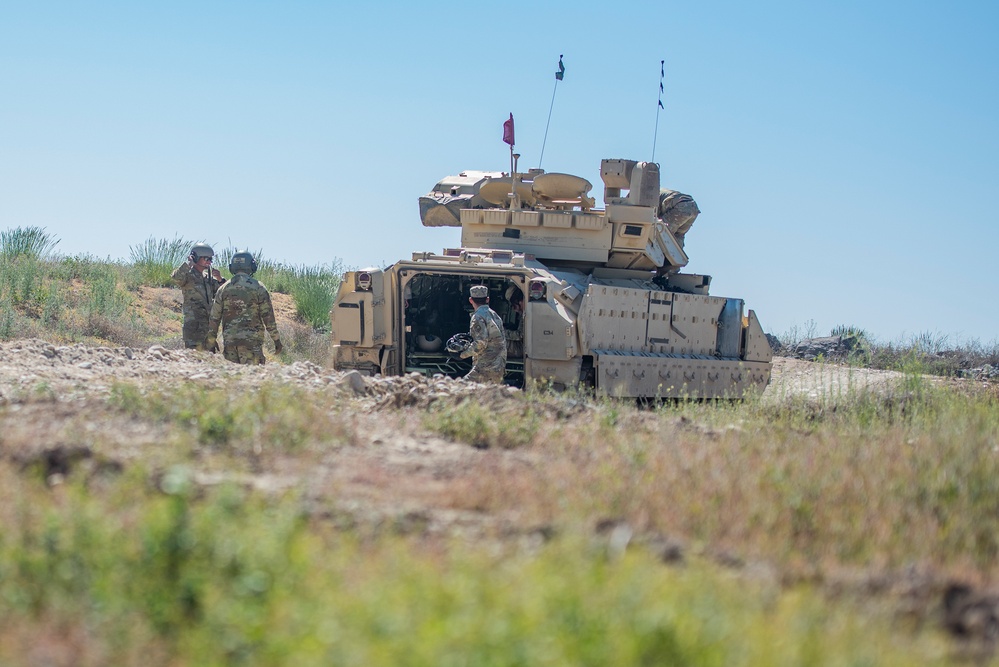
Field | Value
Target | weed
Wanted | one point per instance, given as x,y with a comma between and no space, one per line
313,289
155,259
222,577
104,298
6,319
790,338
29,242
482,427
272,418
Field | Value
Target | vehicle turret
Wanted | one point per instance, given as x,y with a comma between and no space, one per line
552,217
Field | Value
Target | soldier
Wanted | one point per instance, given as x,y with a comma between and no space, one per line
512,322
488,346
199,283
243,308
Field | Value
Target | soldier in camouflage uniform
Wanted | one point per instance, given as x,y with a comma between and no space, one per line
488,346
199,282
243,308
511,311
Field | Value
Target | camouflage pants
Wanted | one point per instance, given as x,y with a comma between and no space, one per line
480,375
244,354
195,333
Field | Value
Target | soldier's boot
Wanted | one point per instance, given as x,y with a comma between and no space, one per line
479,375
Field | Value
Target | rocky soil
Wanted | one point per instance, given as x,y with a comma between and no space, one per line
55,398
77,371
54,411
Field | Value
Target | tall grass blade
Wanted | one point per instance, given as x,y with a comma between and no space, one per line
155,259
32,242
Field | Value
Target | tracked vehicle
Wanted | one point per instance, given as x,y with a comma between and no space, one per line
589,297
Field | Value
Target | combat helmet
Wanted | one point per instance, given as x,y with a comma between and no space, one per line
242,262
199,250
458,343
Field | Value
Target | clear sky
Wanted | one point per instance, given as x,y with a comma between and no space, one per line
843,154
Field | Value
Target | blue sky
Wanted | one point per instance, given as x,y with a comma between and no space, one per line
843,155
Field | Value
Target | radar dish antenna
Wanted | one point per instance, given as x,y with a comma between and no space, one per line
496,191
563,189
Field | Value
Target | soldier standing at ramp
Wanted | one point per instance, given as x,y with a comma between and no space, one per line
199,283
488,345
243,308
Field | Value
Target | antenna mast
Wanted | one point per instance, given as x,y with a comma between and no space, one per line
655,136
558,77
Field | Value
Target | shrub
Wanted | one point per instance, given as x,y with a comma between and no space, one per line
275,417
482,426
33,242
312,287
155,259
790,338
857,341
21,279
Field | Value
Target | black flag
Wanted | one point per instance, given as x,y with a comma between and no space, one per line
662,75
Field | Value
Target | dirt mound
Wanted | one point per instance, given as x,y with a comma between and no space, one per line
161,309
75,371
811,380
72,371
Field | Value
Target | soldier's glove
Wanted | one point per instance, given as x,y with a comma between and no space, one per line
458,343
278,346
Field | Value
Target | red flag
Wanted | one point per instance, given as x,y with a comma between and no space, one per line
508,130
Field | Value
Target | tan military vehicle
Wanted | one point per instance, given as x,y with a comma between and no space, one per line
589,297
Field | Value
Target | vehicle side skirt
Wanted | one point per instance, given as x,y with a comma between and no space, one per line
655,376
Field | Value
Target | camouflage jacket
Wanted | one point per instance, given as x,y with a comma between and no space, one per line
243,307
199,291
488,347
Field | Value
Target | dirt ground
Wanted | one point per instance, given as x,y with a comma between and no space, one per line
395,473
797,377
54,393
160,309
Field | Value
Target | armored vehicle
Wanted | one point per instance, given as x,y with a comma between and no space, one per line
589,297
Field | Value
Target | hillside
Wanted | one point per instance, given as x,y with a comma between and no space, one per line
160,309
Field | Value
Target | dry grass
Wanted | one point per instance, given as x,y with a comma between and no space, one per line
99,302
848,490
304,496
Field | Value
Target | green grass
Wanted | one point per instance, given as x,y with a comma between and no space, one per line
29,242
312,287
907,477
149,562
272,418
172,577
39,300
155,259
482,426
925,352
41,295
